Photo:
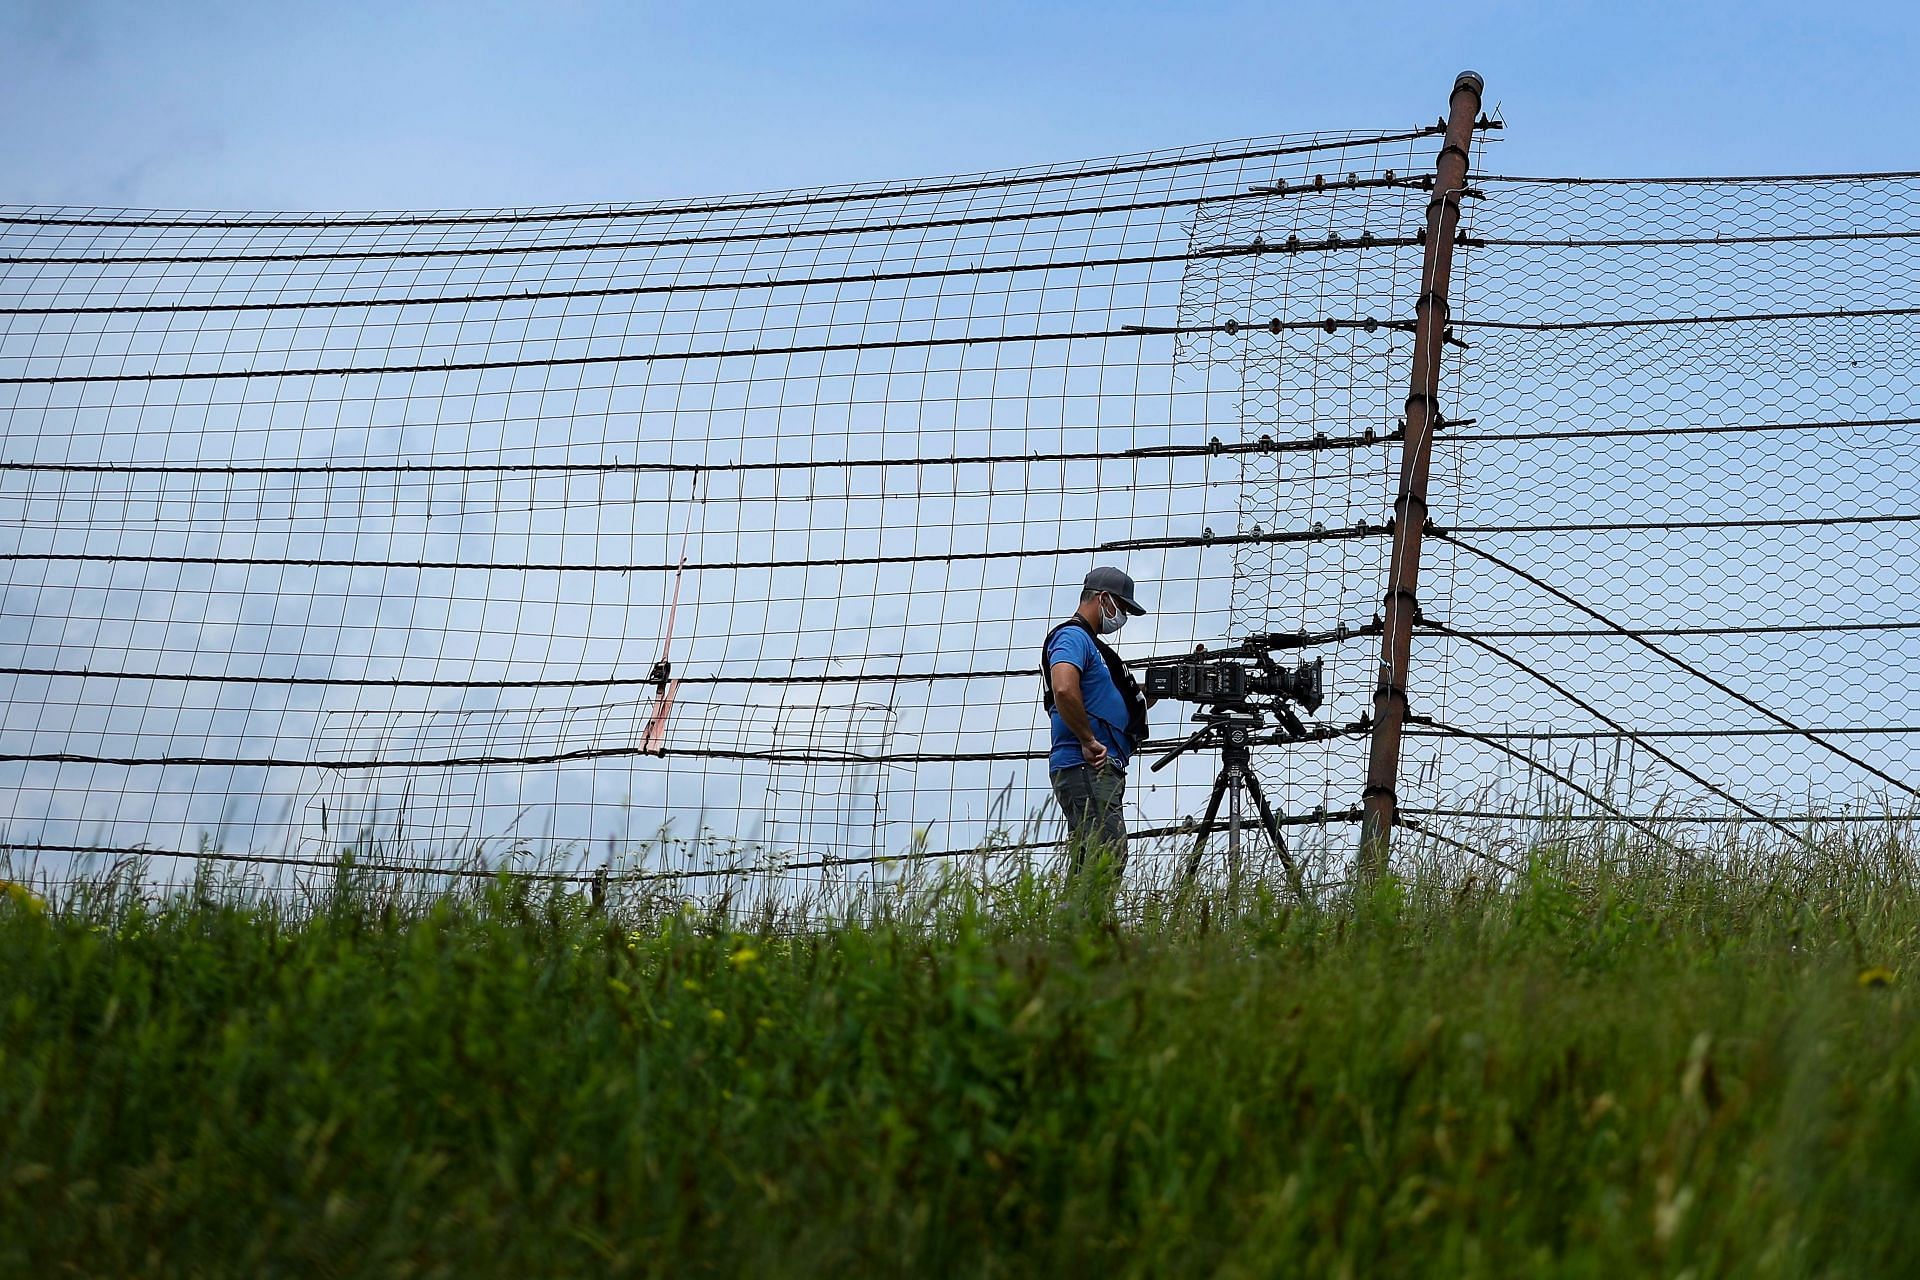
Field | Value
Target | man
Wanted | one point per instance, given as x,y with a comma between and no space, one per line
1099,718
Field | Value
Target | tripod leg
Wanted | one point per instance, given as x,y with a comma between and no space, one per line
1273,833
1233,824
1206,826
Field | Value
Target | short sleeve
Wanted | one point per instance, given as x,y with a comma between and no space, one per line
1071,645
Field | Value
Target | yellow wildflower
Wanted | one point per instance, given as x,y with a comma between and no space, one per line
1875,975
744,957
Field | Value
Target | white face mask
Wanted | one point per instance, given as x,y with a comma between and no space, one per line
1111,622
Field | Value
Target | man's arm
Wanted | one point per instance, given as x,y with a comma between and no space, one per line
1073,711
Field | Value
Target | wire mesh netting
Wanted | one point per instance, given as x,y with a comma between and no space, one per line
714,541
1676,586
709,540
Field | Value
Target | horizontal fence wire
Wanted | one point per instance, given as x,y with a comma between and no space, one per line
708,545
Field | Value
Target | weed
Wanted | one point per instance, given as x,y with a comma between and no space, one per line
1624,1067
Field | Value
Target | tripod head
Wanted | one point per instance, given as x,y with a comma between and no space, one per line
1230,729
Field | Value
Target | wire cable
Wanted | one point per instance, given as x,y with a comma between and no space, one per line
1610,722
707,208
1688,667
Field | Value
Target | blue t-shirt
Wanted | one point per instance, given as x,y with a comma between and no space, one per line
1106,705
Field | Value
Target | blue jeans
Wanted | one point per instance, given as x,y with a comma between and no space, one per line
1091,799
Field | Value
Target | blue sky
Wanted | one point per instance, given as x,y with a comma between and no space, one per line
357,105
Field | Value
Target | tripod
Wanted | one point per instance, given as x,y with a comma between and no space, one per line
1231,732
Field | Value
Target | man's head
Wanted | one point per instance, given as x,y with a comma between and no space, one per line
1107,600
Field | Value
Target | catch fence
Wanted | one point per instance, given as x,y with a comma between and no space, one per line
712,541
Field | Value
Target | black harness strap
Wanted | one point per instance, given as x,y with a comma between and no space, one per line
1122,679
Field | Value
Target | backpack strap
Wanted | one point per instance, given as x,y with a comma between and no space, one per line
1116,669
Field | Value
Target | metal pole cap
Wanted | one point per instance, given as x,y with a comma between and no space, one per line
1469,80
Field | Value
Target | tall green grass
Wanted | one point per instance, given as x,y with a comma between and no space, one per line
1666,1068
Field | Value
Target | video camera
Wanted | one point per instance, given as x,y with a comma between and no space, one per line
1229,682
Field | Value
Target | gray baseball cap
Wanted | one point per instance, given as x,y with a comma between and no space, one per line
1118,584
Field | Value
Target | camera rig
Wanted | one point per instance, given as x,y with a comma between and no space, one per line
1245,678
1237,689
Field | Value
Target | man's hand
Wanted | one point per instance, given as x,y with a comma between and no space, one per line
1094,751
